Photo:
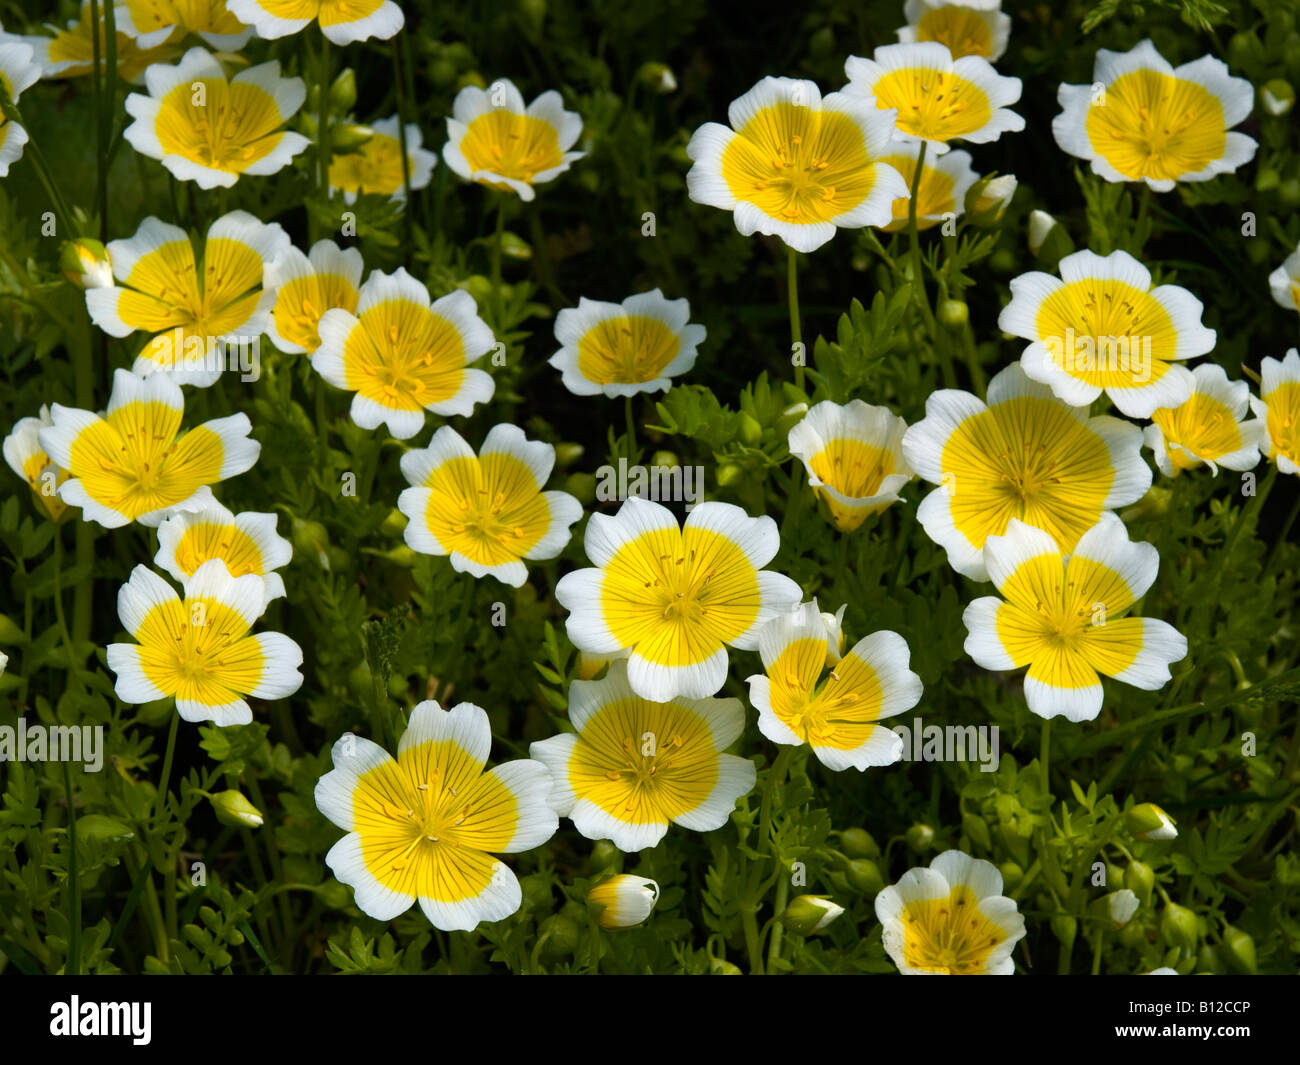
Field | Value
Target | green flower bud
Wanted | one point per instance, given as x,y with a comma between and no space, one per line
919,837
1179,927
479,287
1266,177
470,78
658,76
1148,822
515,247
1140,878
1207,960
343,93
606,858
729,473
1012,874
663,458
233,809
311,539
822,43
751,433
987,200
1277,97
1289,192
562,935
1133,935
953,314
536,891
395,524
722,967
1238,950
86,263
350,136
1065,928
809,914
582,486
1040,225
102,827
567,453
622,901
1114,876
864,876
334,896
858,843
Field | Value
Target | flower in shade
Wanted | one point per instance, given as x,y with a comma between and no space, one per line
190,315
1102,327
1148,822
70,52
153,22
375,168
426,824
937,98
795,164
17,73
945,180
964,27
854,458
1025,455
1284,282
620,349
133,463
1278,407
210,130
26,457
633,766
950,919
1208,428
1143,120
341,21
622,901
809,694
675,596
401,355
1063,617
809,914
493,139
306,286
246,543
488,511
199,650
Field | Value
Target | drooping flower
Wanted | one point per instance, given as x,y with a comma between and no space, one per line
964,27
950,919
945,180
620,349
1209,428
1025,455
488,511
425,825
937,98
133,463
210,130
1284,282
401,355
305,287
676,597
17,73
1278,407
839,716
199,650
153,22
1102,327
341,21
193,318
26,457
795,164
633,765
376,167
1144,120
622,901
1062,616
854,458
70,52
494,140
245,543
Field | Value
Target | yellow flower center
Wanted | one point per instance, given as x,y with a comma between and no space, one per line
963,31
225,126
207,540
1283,420
199,650
1202,426
949,935
934,104
488,509
839,713
632,349
404,357
515,146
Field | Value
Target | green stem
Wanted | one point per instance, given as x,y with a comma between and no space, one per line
33,152
97,104
776,777
631,430
400,86
918,274
792,298
1045,757
749,922
496,268
73,965
160,801
322,120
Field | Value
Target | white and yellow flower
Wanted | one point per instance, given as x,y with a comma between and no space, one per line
305,287
488,511
401,355
199,650
1144,120
1025,455
1102,327
1278,407
70,52
839,716
1210,428
425,825
945,180
1062,616
854,458
375,168
26,457
950,919
633,766
1284,282
494,140
964,27
937,98
154,22
620,349
676,597
622,901
245,543
17,73
341,21
795,164
210,130
133,463
190,316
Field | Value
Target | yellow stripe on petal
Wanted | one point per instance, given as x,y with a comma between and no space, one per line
1203,426
1112,648
1283,421
230,269
1022,633
340,12
842,714
169,275
934,104
1060,666
233,126
291,9
207,540
631,349
961,30
301,303
934,198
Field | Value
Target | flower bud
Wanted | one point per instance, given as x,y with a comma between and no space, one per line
606,858
515,247
535,890
562,934
1121,906
1148,822
729,473
663,458
1012,874
1040,225
919,837
101,826
311,539
1141,879
343,93
858,843
1179,927
350,135
988,199
1064,928
567,453
582,486
622,901
395,524
953,314
722,967
864,876
809,914
86,263
233,809
1277,97
1207,960
1238,950
658,76
751,433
